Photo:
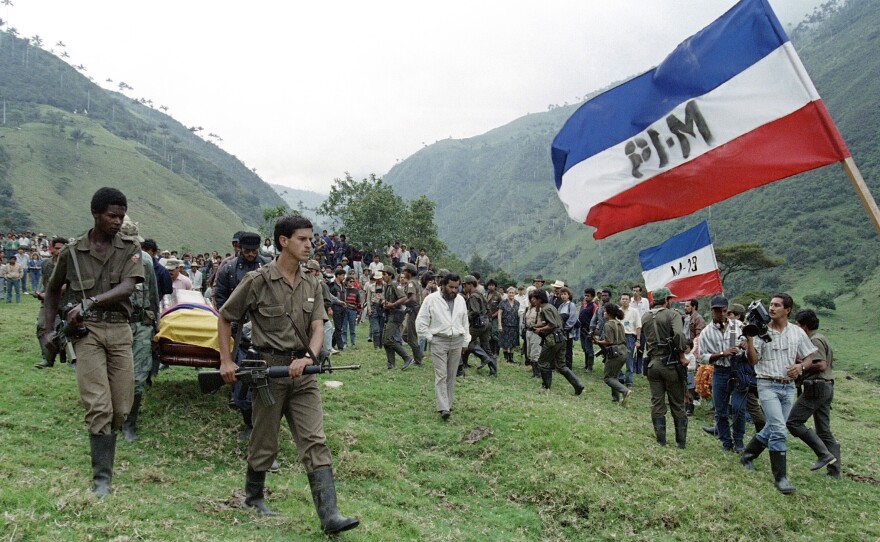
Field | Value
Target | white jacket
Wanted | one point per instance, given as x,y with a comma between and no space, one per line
435,318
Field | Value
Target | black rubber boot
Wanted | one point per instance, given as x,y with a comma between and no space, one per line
389,354
778,465
546,379
253,492
681,431
823,455
485,359
247,416
129,427
48,361
573,380
660,430
493,366
103,452
752,450
536,372
324,495
834,468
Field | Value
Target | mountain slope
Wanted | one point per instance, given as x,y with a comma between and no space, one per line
33,79
496,196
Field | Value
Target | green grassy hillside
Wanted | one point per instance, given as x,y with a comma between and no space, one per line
32,79
54,182
550,467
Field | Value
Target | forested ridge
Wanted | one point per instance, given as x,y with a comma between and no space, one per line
42,95
496,197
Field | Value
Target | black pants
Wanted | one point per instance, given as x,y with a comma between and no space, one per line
338,317
820,409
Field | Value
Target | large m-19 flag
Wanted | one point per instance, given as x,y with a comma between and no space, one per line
685,264
732,108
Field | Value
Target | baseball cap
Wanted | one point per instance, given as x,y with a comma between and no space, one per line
718,302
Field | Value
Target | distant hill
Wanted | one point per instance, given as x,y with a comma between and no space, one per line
62,136
305,201
496,196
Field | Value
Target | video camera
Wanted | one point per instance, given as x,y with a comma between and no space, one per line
757,318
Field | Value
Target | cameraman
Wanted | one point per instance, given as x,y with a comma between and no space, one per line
101,269
775,360
817,383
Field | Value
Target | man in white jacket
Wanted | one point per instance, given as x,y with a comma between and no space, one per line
443,322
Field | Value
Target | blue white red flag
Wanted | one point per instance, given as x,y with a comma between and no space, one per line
731,109
685,264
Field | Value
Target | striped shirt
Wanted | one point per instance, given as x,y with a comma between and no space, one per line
714,341
787,346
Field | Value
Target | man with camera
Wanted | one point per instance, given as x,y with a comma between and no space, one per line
101,269
817,385
774,351
665,346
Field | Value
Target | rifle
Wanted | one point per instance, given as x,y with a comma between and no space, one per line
255,373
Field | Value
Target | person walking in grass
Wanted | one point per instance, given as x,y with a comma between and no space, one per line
614,341
443,323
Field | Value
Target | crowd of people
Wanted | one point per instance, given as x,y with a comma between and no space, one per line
266,289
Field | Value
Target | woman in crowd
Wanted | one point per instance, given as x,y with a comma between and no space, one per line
35,267
508,324
569,313
614,342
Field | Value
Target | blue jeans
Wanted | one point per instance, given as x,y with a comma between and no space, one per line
723,385
328,338
376,324
627,378
776,402
349,324
13,284
35,279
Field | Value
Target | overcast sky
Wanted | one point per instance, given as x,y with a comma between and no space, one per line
305,91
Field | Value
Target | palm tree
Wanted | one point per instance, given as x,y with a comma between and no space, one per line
65,55
77,136
37,41
60,44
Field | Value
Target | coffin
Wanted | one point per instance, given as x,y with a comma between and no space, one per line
187,333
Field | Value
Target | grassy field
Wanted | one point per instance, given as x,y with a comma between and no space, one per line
552,466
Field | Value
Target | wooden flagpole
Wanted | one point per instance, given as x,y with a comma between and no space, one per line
858,182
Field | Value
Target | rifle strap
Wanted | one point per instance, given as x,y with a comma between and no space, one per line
76,269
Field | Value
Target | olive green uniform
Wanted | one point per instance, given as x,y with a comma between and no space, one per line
104,371
493,302
145,315
665,381
268,297
393,321
553,349
614,333
409,325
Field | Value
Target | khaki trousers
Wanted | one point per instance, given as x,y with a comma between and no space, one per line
299,401
445,357
105,376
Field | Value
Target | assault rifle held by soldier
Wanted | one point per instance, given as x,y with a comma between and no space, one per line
254,373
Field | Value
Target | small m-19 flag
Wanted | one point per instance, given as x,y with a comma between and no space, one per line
731,109
685,264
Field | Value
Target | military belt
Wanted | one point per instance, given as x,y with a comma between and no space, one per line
101,315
